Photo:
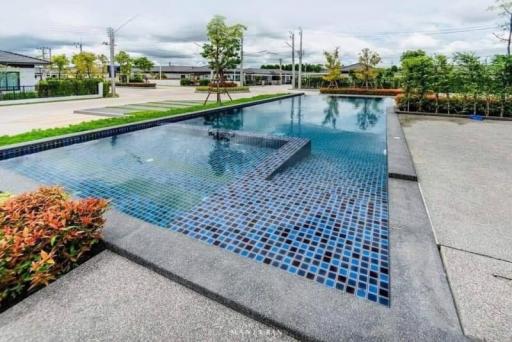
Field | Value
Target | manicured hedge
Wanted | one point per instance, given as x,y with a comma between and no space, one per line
43,235
362,91
457,104
71,87
229,89
18,96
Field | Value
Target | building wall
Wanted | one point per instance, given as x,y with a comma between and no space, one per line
27,75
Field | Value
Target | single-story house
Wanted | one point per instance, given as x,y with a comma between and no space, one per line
252,75
18,72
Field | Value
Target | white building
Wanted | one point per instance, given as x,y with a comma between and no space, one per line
18,72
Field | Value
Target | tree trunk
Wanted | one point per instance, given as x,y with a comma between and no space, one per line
487,105
449,103
502,109
475,99
437,103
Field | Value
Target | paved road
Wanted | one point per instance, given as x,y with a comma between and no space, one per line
23,118
465,171
112,299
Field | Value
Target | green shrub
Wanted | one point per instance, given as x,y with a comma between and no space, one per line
18,96
186,82
70,87
204,83
43,235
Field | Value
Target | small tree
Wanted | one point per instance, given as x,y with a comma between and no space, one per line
222,51
504,9
501,67
333,66
84,63
441,76
143,64
470,73
368,60
125,64
417,71
61,62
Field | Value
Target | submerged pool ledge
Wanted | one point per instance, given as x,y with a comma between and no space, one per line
18,150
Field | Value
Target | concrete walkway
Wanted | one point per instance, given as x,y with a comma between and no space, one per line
112,299
465,171
22,118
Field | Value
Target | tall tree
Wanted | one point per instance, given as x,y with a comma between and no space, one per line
222,51
504,9
125,64
61,62
84,63
368,60
143,64
333,66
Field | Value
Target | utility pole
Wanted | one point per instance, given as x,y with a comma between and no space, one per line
242,76
292,36
111,43
300,58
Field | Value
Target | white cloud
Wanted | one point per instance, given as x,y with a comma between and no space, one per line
418,41
166,30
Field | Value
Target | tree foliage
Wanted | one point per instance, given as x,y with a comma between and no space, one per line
475,86
333,66
61,62
84,63
222,51
125,64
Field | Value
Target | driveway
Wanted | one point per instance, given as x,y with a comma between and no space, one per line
23,118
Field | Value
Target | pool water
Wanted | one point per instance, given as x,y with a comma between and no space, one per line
324,219
155,174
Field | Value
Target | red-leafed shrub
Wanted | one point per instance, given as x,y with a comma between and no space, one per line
362,91
44,234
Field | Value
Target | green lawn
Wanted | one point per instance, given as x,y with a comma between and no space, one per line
37,134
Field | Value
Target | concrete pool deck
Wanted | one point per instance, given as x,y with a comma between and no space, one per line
465,173
112,298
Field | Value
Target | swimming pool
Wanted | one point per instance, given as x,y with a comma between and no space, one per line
324,218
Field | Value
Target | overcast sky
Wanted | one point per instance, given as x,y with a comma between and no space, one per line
170,31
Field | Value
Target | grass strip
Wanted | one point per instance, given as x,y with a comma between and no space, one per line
37,134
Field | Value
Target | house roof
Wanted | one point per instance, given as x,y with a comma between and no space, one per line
355,66
11,58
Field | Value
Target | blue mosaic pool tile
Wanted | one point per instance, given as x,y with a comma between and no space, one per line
312,220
